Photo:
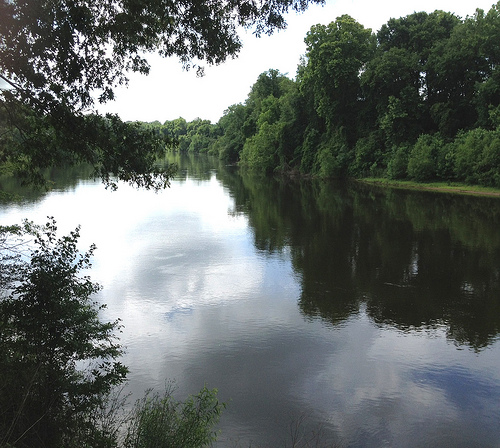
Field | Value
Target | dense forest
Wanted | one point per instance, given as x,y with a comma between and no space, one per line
419,100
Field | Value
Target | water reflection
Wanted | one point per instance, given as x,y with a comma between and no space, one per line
416,259
12,190
372,312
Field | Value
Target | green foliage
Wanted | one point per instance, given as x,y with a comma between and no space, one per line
332,156
359,100
368,155
476,157
233,137
260,151
59,361
336,54
309,149
160,420
397,166
59,364
11,250
422,160
394,122
461,66
61,51
272,116
33,142
387,104
58,58
198,136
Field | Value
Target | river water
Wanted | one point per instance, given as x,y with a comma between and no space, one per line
368,316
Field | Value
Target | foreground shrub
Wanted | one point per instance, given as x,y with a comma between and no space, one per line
59,365
161,421
58,360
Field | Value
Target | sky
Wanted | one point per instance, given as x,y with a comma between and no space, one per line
169,92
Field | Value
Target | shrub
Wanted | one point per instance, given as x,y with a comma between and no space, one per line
161,421
397,166
58,362
49,329
367,156
477,157
445,162
422,161
332,158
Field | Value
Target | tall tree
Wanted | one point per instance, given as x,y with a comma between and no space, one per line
233,137
464,69
336,55
267,150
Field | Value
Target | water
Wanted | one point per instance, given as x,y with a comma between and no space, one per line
371,316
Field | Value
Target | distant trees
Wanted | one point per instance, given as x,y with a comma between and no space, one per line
58,58
269,117
415,100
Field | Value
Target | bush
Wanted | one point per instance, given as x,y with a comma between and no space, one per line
161,421
308,149
368,156
477,157
332,158
397,166
58,362
48,326
445,162
422,162
260,152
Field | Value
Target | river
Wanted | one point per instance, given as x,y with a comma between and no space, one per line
369,316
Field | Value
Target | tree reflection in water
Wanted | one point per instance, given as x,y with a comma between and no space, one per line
417,260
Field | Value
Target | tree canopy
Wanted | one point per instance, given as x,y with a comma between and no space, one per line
57,58
419,99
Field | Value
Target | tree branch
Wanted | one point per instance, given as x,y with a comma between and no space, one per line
8,81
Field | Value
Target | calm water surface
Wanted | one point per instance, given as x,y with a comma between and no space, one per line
370,315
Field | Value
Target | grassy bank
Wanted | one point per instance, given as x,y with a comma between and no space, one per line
443,187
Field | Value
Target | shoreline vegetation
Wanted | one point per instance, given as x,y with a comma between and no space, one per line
415,104
439,187
417,101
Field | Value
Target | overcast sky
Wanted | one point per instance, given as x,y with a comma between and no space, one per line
169,92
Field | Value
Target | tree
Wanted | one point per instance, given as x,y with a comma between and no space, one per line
465,69
58,359
391,83
336,55
57,58
266,150
230,144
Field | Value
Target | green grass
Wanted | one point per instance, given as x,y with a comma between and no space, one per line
444,187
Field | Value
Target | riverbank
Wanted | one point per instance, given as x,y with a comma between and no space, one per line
441,187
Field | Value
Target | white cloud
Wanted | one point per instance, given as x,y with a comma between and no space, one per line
169,92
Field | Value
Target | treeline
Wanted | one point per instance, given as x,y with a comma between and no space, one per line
419,99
